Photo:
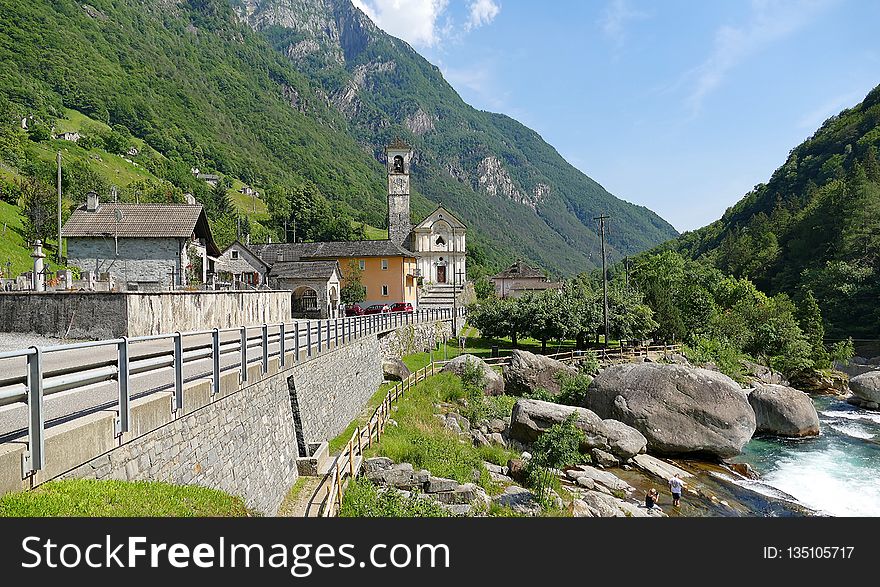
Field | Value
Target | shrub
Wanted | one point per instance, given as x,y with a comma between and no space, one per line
589,364
558,447
843,351
574,389
540,394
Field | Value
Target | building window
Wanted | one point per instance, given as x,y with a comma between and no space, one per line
384,264
385,291
440,241
234,255
362,264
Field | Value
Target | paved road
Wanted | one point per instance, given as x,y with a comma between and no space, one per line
63,405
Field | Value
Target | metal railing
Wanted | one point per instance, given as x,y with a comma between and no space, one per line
33,384
347,464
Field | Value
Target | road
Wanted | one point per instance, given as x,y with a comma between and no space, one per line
60,363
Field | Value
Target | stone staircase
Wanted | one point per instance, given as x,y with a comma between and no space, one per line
439,296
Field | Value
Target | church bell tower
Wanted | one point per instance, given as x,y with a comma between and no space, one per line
398,156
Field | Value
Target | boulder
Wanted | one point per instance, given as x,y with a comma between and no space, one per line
866,386
375,464
597,476
679,409
516,469
496,425
530,418
602,505
395,369
520,500
493,382
662,469
603,459
783,411
761,374
528,372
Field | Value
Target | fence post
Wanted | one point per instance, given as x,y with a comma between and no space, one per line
309,337
243,349
215,361
178,371
338,487
122,379
350,460
265,348
318,332
34,459
328,333
281,344
296,344
336,331
369,433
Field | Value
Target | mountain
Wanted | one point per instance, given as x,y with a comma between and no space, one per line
487,167
289,94
815,225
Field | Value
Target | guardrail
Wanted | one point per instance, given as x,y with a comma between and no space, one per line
31,386
347,464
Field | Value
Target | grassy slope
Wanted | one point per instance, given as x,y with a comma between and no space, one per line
88,498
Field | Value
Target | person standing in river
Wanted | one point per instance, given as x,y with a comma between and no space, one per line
675,486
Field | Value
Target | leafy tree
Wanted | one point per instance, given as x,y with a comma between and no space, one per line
809,318
38,202
353,291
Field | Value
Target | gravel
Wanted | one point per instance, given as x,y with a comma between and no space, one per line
11,341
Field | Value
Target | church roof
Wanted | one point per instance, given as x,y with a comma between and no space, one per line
440,213
398,144
520,270
271,253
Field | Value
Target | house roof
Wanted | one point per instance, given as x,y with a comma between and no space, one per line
141,221
323,270
520,270
328,250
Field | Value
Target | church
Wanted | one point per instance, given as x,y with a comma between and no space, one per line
422,264
437,242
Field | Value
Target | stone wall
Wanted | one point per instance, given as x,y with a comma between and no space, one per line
333,389
142,260
243,444
98,315
416,338
66,315
160,313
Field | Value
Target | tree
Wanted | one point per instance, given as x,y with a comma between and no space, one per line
810,320
38,200
353,291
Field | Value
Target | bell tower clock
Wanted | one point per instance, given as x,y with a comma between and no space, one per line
398,156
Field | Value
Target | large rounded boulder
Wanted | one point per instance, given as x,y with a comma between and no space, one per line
527,372
866,386
680,410
530,418
783,411
493,383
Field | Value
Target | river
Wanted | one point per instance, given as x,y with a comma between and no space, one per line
836,473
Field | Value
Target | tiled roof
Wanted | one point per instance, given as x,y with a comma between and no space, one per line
304,269
520,270
328,250
141,221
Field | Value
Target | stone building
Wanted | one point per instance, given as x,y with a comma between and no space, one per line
520,278
142,246
239,267
315,286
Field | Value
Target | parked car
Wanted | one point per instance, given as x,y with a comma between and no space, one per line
354,310
402,307
378,309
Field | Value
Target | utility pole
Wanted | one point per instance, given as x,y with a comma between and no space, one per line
602,218
58,185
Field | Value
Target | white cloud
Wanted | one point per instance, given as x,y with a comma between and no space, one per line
426,23
770,21
482,12
615,18
414,21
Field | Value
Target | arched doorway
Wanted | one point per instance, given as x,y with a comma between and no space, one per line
334,302
305,301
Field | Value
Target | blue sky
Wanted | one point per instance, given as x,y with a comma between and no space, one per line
682,106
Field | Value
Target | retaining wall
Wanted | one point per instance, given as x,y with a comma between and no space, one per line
414,338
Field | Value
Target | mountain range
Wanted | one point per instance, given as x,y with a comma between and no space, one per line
281,92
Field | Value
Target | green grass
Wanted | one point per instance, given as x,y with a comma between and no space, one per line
89,498
290,500
421,439
13,248
363,500
373,233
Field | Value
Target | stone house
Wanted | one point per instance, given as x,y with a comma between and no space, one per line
68,136
315,285
142,246
520,278
241,268
209,178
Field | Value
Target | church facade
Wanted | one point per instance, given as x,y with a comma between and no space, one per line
439,241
